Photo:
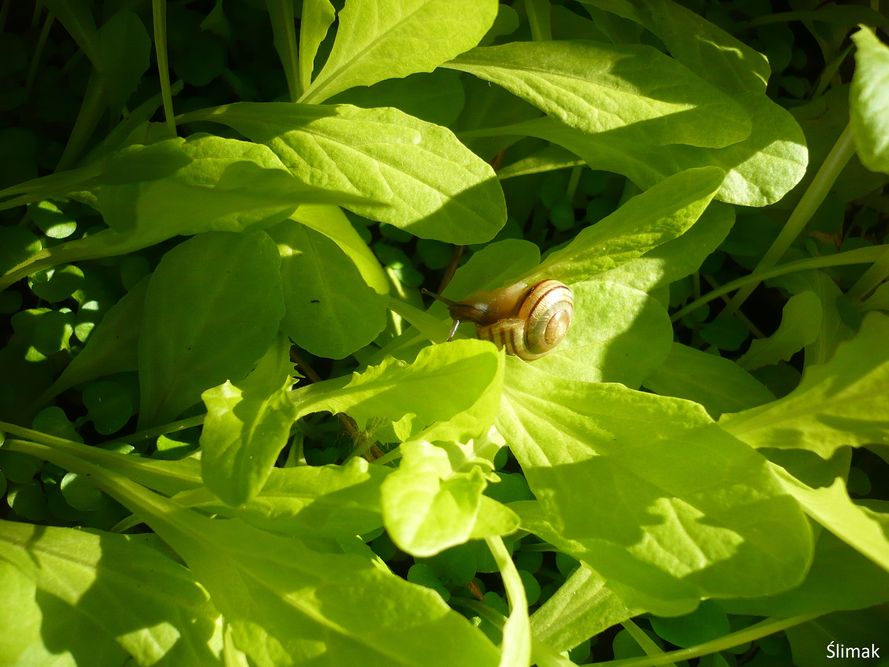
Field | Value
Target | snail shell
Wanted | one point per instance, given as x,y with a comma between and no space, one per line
526,321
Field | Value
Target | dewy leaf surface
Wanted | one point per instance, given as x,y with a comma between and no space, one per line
89,598
841,402
384,39
194,335
330,310
673,509
597,88
424,180
869,100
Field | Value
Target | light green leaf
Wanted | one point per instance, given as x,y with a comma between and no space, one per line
436,98
830,505
79,597
842,402
457,384
800,325
581,608
703,47
719,384
316,19
424,180
759,170
385,39
225,185
247,426
596,88
333,223
673,509
336,501
679,257
429,506
618,334
869,100
193,333
851,550
330,309
291,603
646,221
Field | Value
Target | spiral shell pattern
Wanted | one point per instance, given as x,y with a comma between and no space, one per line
540,324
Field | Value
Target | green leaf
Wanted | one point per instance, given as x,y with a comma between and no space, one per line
316,19
111,346
673,509
247,425
224,185
800,324
865,583
581,608
820,489
284,32
618,334
97,598
436,98
110,403
656,216
125,49
597,88
703,47
422,178
841,402
77,19
288,602
717,383
429,506
457,384
759,170
330,309
675,259
385,39
869,100
193,329
335,501
332,222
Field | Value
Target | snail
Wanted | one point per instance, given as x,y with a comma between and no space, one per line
527,321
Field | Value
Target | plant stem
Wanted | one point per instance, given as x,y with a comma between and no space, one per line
159,16
806,207
757,631
857,256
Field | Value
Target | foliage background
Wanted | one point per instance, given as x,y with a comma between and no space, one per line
234,433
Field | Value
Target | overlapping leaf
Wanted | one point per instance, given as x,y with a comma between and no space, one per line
420,176
384,39
671,503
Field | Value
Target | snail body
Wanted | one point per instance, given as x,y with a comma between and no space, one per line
526,321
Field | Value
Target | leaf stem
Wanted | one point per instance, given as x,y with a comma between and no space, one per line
857,256
806,207
159,17
757,631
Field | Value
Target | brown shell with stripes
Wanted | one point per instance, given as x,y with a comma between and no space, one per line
526,321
